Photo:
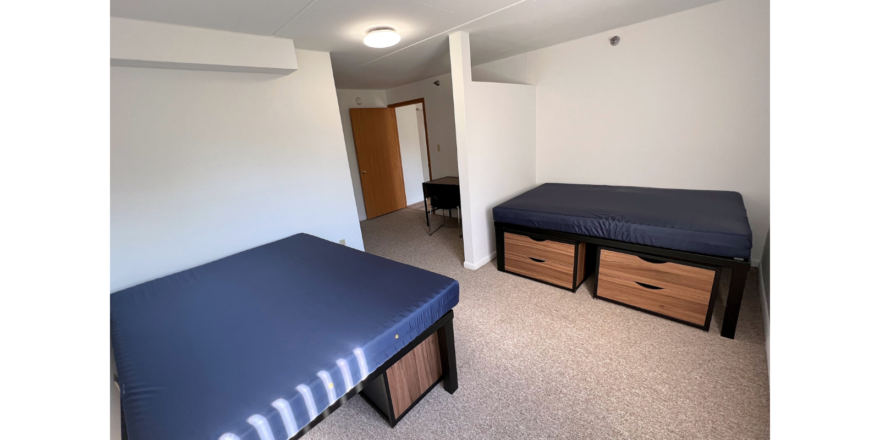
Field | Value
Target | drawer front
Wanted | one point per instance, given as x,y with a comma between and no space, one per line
549,271
550,251
690,280
666,302
413,374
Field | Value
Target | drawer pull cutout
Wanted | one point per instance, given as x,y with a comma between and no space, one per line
539,240
648,286
648,260
536,260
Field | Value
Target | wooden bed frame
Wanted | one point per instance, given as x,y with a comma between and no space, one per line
435,343
739,267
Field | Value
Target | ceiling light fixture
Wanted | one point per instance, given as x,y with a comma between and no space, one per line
382,37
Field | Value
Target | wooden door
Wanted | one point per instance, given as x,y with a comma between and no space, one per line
378,154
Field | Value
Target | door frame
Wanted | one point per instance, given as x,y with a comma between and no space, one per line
425,121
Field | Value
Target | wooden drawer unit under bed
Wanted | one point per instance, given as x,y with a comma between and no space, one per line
684,292
406,382
556,262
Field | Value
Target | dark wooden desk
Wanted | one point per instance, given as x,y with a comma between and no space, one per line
444,195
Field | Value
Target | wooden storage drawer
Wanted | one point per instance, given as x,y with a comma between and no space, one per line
552,252
414,374
545,271
690,280
395,391
690,308
546,260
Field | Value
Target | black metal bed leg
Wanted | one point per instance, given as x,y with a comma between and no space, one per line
124,429
447,357
734,299
499,246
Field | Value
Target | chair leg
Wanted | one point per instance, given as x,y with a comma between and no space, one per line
427,215
430,232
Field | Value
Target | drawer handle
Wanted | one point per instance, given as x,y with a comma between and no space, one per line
649,260
536,239
648,286
536,260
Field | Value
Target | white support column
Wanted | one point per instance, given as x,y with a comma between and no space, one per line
460,61
495,129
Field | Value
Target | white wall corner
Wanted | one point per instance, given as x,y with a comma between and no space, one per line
485,260
765,312
137,43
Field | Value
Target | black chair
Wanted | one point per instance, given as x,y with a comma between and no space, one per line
444,197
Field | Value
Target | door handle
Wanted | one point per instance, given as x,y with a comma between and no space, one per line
650,260
363,171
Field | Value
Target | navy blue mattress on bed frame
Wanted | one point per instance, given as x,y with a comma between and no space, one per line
267,342
709,228
704,222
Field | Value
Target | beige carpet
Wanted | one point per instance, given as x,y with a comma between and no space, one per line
420,206
540,362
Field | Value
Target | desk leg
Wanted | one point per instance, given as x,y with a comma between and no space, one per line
427,215
734,300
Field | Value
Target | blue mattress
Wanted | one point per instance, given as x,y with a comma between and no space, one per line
705,222
255,345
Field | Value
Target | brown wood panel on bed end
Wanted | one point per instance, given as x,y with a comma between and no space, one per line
412,375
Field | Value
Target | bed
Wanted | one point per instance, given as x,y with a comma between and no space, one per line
672,231
705,222
266,343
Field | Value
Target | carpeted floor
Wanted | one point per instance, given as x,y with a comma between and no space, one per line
540,362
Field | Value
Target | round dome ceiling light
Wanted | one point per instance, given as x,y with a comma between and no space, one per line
382,37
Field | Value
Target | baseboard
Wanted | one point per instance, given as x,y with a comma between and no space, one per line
480,263
765,311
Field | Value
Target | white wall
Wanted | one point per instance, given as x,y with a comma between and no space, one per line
441,120
410,151
137,43
207,164
501,155
681,102
347,100
513,70
496,139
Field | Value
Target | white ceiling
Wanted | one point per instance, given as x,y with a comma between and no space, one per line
499,28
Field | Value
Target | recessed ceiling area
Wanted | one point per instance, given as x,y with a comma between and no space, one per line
499,28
